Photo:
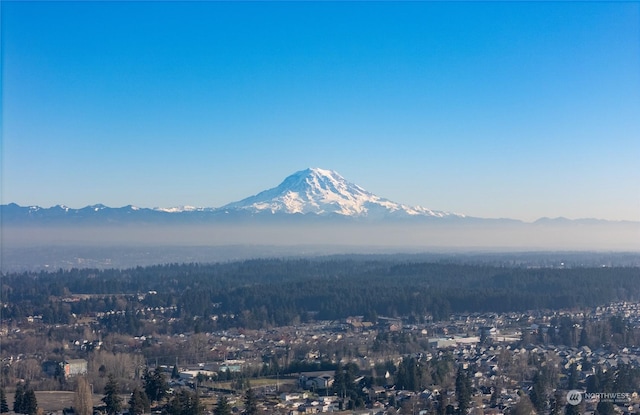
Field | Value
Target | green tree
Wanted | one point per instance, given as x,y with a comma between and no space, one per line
463,390
624,378
573,377
111,398
250,402
222,407
606,380
584,335
605,408
139,402
593,382
443,402
538,394
572,409
408,377
175,374
495,396
556,404
339,382
442,370
185,403
18,399
155,384
567,332
30,403
4,407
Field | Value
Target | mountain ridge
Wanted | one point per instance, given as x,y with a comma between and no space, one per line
312,193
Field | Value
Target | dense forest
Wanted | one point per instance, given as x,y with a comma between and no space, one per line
273,292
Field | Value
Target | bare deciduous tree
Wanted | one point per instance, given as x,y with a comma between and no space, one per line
83,400
28,369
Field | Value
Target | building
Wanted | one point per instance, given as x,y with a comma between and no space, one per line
316,380
68,368
73,367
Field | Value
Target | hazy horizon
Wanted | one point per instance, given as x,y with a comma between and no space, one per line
501,237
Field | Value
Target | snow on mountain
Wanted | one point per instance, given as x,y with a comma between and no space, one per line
96,208
324,192
313,192
180,209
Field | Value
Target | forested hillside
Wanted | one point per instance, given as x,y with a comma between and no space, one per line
263,293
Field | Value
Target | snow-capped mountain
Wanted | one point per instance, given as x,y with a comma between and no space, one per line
310,193
324,192
180,209
310,207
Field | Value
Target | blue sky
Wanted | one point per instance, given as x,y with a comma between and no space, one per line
498,109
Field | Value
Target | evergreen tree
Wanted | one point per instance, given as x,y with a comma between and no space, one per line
392,401
155,384
222,407
624,378
584,335
175,374
4,407
185,403
572,409
18,399
567,332
175,405
556,404
30,403
339,382
463,390
196,408
250,402
111,398
139,402
408,377
539,392
443,402
605,408
573,377
593,382
607,385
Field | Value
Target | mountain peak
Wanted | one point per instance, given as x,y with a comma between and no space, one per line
314,173
318,171
324,192
313,191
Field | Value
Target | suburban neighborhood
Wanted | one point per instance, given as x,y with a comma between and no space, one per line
292,369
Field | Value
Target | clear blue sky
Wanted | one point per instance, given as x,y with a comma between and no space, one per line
499,109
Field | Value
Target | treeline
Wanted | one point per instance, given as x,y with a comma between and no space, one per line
272,292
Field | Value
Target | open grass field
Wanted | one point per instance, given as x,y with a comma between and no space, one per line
50,401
